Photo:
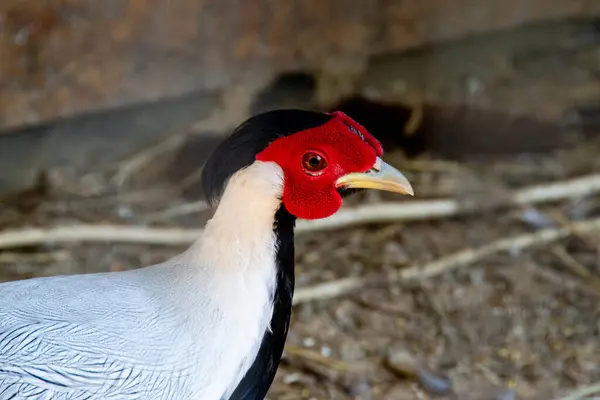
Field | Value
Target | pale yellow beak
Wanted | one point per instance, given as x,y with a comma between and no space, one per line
381,176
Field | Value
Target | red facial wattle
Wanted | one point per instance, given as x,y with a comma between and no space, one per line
345,146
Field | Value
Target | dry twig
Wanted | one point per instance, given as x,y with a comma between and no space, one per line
459,259
145,157
372,213
583,393
97,233
314,356
423,210
16,258
178,211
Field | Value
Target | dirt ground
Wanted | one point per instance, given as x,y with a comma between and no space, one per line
513,324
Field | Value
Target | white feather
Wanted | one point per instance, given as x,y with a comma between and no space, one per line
186,329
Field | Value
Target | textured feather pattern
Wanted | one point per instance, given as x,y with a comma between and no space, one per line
186,329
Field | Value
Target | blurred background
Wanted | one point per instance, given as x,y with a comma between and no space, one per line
485,285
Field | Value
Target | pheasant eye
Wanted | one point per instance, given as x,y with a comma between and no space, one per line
313,162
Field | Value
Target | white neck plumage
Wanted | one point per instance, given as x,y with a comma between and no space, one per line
240,234
234,261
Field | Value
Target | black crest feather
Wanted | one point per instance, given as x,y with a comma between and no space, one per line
239,150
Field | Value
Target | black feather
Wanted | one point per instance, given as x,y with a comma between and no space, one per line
239,150
345,192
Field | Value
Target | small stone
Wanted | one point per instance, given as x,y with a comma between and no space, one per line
402,363
433,383
507,394
405,365
361,390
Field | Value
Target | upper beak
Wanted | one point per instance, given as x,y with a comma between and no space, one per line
381,176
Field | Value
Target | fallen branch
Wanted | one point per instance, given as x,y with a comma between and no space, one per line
431,209
146,157
97,233
372,213
317,357
583,393
178,211
16,258
463,258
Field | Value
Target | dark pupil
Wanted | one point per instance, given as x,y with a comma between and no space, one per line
315,161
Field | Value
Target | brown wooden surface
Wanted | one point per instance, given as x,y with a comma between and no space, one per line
59,58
